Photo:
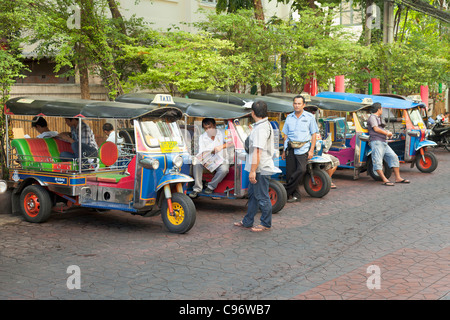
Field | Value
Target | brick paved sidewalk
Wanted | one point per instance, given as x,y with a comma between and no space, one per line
406,274
317,249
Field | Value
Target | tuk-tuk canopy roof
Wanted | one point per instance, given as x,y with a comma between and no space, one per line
80,108
385,101
192,107
322,103
245,100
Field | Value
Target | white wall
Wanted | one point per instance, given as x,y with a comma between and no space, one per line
165,13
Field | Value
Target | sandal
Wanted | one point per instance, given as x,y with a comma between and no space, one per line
333,186
240,224
403,181
390,184
259,228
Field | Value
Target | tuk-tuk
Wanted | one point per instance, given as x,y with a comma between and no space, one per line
316,181
234,122
403,118
146,178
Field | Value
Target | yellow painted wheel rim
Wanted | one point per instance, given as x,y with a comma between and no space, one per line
178,214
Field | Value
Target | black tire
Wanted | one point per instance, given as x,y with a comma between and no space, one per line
278,196
35,204
446,142
184,210
322,183
386,170
430,163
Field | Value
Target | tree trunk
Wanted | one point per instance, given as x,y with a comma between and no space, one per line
84,82
117,15
82,64
259,12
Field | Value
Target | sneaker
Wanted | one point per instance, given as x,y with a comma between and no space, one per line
293,199
208,191
193,194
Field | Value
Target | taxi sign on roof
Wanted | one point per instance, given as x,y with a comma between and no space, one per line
163,99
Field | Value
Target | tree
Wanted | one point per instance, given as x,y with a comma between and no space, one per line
93,45
180,61
14,17
233,6
261,42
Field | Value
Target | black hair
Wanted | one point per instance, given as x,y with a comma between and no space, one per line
108,127
207,121
260,109
374,108
299,97
38,121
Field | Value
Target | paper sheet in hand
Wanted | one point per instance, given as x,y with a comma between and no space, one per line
210,161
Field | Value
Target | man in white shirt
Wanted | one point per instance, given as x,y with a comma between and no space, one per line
108,129
41,126
260,165
211,145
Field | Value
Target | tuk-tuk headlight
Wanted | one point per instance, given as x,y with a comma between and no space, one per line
319,145
149,163
155,164
3,186
178,161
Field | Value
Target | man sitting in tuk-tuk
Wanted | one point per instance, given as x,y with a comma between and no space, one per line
41,126
211,156
89,146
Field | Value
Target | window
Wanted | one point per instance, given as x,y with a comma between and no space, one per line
211,2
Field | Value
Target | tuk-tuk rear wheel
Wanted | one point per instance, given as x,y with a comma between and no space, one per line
184,213
278,196
35,204
386,170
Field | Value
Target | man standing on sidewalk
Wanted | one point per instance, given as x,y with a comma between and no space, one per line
260,165
300,130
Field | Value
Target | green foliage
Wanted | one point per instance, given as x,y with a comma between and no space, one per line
262,43
181,61
14,16
232,6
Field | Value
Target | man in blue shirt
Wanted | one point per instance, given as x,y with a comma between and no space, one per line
300,130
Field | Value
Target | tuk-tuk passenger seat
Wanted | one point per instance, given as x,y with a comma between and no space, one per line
41,154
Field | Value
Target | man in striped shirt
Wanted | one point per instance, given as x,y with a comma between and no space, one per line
89,146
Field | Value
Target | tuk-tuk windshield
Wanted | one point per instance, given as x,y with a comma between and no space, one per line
416,118
363,116
341,128
156,132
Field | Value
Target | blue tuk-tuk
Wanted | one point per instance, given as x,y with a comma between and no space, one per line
403,118
146,179
316,181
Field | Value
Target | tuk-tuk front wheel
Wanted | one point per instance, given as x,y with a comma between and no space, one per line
375,176
278,196
35,204
184,214
321,185
430,163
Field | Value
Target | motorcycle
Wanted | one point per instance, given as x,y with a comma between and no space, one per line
440,134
